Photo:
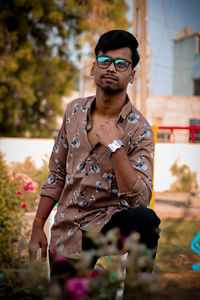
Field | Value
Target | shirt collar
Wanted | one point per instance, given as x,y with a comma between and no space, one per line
127,108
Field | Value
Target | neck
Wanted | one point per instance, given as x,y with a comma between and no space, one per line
109,104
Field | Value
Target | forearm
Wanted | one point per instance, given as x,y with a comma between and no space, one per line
128,182
45,207
125,174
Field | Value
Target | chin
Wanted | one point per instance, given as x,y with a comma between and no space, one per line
109,89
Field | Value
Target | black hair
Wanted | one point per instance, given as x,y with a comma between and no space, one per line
116,39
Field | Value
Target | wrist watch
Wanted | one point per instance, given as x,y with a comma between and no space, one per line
116,144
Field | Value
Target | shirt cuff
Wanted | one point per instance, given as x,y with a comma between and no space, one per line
140,193
51,192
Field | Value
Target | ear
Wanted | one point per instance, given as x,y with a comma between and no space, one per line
132,76
92,70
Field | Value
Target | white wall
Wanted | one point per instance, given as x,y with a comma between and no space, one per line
17,149
165,155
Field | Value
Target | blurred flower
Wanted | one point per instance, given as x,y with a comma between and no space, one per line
94,274
60,259
10,176
24,179
77,287
23,205
144,276
29,187
37,201
19,193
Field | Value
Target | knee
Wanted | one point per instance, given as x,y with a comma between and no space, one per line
145,215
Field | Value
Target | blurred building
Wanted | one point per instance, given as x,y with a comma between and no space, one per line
186,63
174,111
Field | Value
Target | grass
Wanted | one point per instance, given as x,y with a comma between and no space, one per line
174,253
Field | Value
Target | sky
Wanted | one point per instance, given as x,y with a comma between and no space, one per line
165,19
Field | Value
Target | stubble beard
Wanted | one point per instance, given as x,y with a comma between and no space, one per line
109,88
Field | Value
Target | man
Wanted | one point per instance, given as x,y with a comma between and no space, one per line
102,162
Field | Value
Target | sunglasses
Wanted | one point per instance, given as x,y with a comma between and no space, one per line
121,64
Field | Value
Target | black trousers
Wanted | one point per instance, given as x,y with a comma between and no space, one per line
140,219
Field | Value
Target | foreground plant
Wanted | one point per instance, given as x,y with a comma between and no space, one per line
102,282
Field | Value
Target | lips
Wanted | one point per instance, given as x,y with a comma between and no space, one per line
109,77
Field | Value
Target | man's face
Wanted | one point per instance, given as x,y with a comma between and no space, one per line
110,79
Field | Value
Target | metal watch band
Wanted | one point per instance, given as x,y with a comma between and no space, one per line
116,144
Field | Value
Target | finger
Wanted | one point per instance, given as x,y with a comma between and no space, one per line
44,252
33,251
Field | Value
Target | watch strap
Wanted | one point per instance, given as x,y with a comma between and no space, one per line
115,145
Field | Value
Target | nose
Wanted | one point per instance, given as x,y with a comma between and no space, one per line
111,68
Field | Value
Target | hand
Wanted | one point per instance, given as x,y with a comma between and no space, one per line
108,132
38,240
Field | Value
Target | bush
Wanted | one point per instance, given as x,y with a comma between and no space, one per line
31,179
186,180
31,282
10,216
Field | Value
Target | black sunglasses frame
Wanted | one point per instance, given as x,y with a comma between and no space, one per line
111,61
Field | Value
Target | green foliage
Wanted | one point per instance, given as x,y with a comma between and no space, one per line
174,255
106,16
174,252
38,41
31,180
28,167
186,180
31,281
10,216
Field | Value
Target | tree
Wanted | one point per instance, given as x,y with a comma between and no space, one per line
186,180
38,39
106,16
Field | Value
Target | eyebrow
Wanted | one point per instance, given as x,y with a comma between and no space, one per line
113,57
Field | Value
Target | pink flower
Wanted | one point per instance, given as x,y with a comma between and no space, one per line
122,240
19,193
94,274
28,187
60,259
37,201
23,205
77,287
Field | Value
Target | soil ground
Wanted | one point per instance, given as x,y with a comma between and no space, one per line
184,285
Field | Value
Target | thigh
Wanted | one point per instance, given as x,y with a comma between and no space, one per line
140,219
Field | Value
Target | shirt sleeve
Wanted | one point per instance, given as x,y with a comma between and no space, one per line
57,166
141,152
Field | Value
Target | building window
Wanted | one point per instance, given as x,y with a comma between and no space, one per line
196,83
163,136
195,122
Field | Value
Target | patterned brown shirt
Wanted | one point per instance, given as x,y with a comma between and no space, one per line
82,179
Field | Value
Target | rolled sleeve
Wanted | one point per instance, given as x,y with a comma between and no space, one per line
140,194
141,154
57,166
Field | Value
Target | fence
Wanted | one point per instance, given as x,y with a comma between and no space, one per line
193,137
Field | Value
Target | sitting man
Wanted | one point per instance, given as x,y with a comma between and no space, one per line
101,166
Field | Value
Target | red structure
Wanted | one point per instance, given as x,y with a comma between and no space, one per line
193,129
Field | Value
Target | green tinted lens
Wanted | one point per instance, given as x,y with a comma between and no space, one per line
121,65
103,61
